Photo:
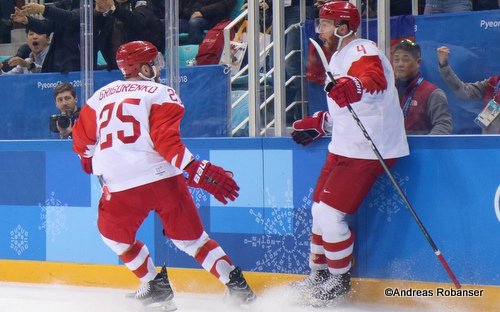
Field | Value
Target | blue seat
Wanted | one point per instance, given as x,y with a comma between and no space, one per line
237,8
187,53
100,59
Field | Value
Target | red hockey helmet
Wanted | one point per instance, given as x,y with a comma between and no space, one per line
132,55
341,11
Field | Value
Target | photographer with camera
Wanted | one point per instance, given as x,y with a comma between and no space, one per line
66,102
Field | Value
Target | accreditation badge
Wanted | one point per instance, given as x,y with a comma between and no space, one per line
488,114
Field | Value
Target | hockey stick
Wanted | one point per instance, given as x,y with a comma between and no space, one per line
104,188
388,171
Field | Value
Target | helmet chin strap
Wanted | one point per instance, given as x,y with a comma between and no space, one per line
341,38
147,78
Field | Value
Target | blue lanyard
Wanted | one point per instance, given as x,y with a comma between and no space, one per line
406,107
496,89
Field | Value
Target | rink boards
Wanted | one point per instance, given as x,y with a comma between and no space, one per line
48,209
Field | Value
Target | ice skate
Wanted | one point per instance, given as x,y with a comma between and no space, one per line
332,290
157,295
238,292
301,291
310,282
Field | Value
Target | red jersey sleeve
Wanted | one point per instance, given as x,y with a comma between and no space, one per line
370,71
84,132
164,121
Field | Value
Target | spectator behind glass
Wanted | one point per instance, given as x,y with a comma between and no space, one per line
196,16
486,90
63,20
425,106
121,21
66,103
39,46
447,6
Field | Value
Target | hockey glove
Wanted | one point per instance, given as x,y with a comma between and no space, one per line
310,128
213,179
347,90
86,164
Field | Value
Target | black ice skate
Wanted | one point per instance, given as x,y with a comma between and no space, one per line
238,291
157,294
333,288
314,279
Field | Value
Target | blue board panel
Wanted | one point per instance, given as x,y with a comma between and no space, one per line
22,176
22,234
65,242
451,182
66,179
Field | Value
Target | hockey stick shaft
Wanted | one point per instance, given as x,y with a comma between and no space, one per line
104,188
389,173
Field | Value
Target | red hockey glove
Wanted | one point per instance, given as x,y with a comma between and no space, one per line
347,90
86,164
213,179
309,129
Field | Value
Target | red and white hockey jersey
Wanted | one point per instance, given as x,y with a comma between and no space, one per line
131,129
378,109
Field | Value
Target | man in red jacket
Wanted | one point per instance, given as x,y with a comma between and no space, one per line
424,105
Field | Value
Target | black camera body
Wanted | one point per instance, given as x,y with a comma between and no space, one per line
63,121
6,67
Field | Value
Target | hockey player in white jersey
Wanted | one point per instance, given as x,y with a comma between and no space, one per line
365,80
129,135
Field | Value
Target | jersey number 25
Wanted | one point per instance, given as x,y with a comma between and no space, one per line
107,115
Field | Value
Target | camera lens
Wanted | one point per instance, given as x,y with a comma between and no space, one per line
63,122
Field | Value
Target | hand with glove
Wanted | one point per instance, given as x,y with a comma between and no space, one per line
86,164
213,179
346,90
310,128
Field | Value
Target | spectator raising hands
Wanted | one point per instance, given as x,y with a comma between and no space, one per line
486,90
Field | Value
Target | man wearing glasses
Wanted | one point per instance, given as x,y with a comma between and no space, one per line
424,105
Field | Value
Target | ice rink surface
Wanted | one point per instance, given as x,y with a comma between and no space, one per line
19,297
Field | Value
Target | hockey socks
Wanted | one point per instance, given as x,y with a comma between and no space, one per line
138,260
213,259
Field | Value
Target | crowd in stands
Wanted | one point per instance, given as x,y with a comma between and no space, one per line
53,45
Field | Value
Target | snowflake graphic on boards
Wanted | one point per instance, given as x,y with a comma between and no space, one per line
56,224
19,239
384,196
286,235
200,197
